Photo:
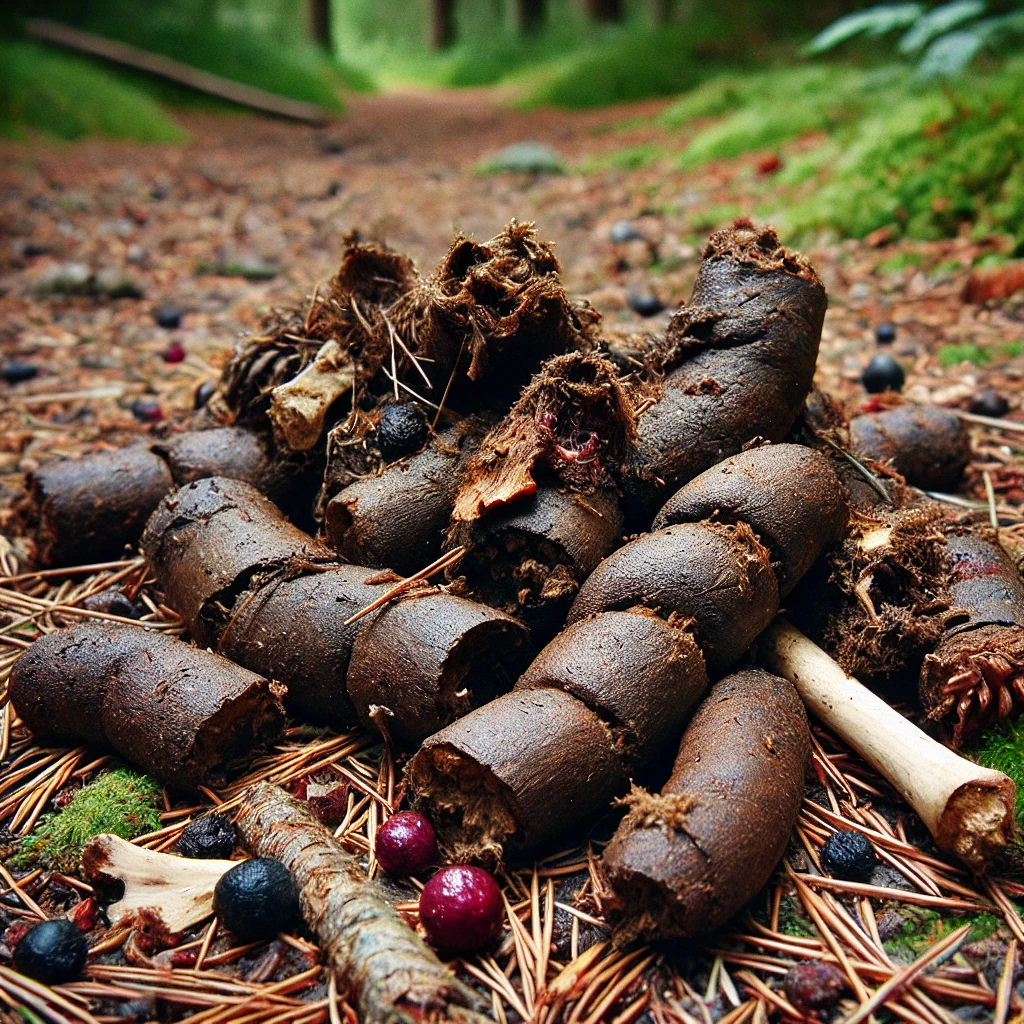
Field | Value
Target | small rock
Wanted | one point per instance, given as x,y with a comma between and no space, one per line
529,157
114,283
136,254
644,303
332,147
147,410
174,353
168,315
989,403
15,372
860,291
65,279
623,231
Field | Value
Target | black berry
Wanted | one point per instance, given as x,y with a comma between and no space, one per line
849,856
461,910
168,315
111,602
644,303
405,844
885,333
211,837
883,373
146,410
257,899
52,952
814,985
15,373
989,403
402,430
203,394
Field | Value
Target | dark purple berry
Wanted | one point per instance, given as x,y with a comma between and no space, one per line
147,410
644,303
174,353
849,856
203,394
885,333
15,373
406,844
52,952
211,837
461,910
883,373
814,986
111,602
257,899
168,315
989,403
402,430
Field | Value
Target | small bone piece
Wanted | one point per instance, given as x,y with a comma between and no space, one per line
176,890
299,406
969,810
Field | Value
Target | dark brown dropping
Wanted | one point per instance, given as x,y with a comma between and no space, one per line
684,861
744,352
515,773
180,712
87,510
208,538
639,673
397,520
293,629
719,576
430,659
530,557
222,451
984,581
787,494
928,445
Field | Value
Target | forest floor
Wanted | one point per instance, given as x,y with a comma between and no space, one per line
176,223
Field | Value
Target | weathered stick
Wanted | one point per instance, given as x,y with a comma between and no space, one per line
969,810
391,974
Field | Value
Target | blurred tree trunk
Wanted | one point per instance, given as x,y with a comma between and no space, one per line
442,23
605,10
530,15
318,18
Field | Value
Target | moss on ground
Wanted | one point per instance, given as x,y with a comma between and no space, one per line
121,801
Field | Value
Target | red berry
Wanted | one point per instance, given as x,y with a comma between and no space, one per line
147,411
174,353
406,844
460,908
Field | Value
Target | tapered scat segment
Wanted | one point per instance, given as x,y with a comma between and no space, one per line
720,576
744,354
928,445
390,974
639,673
223,451
208,537
788,494
682,862
431,658
520,770
180,712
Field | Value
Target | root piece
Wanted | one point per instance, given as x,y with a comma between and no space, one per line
716,575
429,659
976,672
529,558
788,494
928,445
684,861
515,773
387,970
969,810
206,540
639,673
575,423
397,520
180,712
88,509
741,362
298,408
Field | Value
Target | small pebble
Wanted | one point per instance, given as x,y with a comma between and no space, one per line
405,844
111,602
168,315
883,373
849,856
885,333
203,394
989,403
460,909
622,231
644,303
174,353
210,837
15,373
146,410
52,952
